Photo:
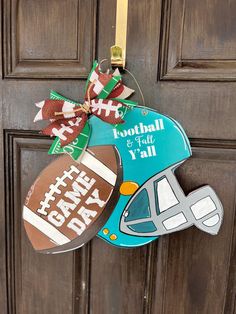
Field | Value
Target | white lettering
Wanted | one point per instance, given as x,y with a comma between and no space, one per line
76,225
141,128
86,214
133,154
56,219
95,199
85,181
65,207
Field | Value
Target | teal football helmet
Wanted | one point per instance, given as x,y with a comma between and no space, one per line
151,202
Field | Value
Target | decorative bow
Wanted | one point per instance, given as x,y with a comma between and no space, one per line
104,97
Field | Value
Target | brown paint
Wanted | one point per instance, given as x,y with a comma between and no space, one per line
47,178
197,89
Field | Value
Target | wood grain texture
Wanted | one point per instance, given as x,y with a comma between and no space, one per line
177,261
3,265
188,272
194,273
122,274
198,40
41,41
25,293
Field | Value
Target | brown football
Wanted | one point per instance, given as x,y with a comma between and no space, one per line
69,202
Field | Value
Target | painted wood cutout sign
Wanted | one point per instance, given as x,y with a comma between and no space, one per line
151,203
123,188
117,178
69,202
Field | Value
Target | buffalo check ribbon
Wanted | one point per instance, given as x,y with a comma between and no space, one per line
105,97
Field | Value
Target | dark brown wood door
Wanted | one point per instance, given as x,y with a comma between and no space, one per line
183,53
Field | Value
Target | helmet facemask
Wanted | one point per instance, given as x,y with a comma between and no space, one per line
160,207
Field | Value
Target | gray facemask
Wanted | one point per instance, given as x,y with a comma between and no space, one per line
160,207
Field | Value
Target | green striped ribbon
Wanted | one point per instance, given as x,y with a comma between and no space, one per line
107,89
124,109
75,148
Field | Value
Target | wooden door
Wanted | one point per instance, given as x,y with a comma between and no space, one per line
183,53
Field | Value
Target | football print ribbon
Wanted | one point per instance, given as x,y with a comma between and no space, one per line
105,97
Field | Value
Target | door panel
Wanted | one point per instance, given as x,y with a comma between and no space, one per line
196,269
118,281
49,39
182,53
198,40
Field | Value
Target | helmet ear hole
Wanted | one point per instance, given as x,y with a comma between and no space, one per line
128,188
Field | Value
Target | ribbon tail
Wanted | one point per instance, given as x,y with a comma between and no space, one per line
66,130
51,109
76,148
121,92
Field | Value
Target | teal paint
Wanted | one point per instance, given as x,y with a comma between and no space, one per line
147,145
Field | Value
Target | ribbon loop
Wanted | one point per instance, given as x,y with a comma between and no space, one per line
104,97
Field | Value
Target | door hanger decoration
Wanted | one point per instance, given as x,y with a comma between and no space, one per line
116,173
